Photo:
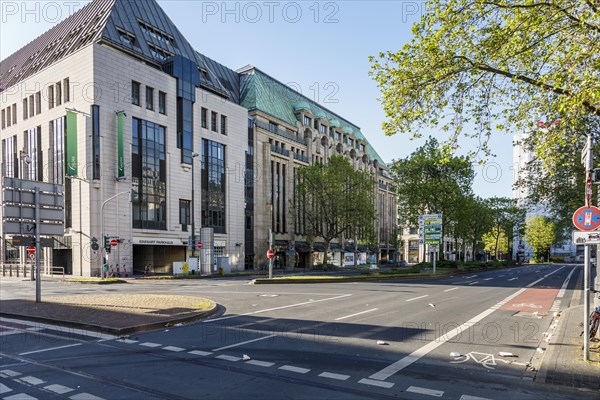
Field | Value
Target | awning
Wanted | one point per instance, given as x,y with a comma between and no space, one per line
334,247
318,247
302,247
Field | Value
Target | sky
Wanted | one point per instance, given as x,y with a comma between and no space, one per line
319,48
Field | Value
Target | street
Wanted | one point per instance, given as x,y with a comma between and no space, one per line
468,337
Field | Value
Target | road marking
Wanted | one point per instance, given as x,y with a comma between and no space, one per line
32,380
424,350
416,298
128,341
243,343
260,363
451,289
488,279
60,389
275,308
371,382
71,331
428,392
201,353
543,277
228,358
563,288
85,396
354,315
49,349
512,279
469,277
150,344
339,377
4,388
467,397
173,348
8,373
473,283
20,396
291,368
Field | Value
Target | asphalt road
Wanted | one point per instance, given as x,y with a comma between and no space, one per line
424,339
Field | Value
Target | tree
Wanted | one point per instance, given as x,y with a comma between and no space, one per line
507,218
334,200
474,220
495,65
540,234
496,241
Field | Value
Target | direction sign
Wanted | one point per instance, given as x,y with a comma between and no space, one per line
580,237
587,218
270,254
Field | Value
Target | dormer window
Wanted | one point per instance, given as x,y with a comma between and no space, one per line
323,129
307,120
126,37
158,53
350,142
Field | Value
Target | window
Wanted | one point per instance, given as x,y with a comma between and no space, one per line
95,111
350,142
203,118
8,117
306,121
50,97
362,147
57,156
25,108
14,113
213,185
272,127
31,106
66,88
213,121
9,156
149,98
223,125
3,119
58,93
184,214
33,170
162,102
38,103
135,93
338,136
412,231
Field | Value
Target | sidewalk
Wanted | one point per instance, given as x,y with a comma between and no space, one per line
115,314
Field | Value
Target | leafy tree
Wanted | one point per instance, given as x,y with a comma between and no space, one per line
474,220
540,234
508,216
496,241
495,65
429,182
335,200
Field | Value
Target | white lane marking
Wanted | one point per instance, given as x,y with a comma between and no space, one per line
85,396
291,368
331,375
512,279
243,343
563,288
428,392
371,382
128,341
469,277
473,283
260,363
488,279
451,289
60,389
424,350
20,396
150,344
543,277
228,358
467,397
416,298
32,380
275,308
173,348
201,353
71,331
49,349
354,315
4,388
8,373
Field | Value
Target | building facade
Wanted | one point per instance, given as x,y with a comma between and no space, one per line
160,147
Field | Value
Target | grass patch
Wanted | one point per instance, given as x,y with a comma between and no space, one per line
96,281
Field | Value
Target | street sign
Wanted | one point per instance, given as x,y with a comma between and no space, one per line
430,229
199,245
587,218
114,242
270,254
26,241
31,250
580,237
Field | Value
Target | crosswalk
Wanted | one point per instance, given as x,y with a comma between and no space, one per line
14,385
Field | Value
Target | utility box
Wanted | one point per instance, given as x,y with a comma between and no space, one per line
223,262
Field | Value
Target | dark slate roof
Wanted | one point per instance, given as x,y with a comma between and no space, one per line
138,27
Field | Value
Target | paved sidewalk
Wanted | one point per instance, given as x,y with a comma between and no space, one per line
115,314
563,362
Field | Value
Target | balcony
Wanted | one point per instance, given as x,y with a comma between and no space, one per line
383,186
301,157
280,132
280,150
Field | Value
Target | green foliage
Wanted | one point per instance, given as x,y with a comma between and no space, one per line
540,234
335,200
496,240
496,66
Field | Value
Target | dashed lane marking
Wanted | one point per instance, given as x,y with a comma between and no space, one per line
291,368
372,382
59,389
228,358
512,279
173,348
488,279
467,397
260,363
473,283
243,343
49,349
354,315
20,396
150,344
128,341
8,373
416,298
85,396
428,392
331,375
200,353
451,289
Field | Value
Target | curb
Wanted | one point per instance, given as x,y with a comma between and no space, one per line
116,331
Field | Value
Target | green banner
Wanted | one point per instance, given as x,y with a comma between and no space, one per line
71,145
120,146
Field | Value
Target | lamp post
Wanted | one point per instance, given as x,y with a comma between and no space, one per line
102,225
194,155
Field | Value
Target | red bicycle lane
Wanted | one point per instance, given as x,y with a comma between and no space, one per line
532,300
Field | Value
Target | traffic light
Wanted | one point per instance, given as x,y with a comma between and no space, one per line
596,175
94,246
107,245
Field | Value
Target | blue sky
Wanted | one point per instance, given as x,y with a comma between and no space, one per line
319,48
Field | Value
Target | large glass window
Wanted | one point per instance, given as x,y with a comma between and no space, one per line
57,153
213,121
9,156
204,118
149,175
135,93
184,214
213,185
33,163
95,142
149,98
162,102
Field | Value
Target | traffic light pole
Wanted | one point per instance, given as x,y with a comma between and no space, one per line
589,166
102,227
38,278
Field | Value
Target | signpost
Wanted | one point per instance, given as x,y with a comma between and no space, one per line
430,233
584,238
587,218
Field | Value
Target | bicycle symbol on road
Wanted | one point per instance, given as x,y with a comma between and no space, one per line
530,305
480,358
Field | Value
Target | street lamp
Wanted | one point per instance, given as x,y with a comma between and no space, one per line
194,155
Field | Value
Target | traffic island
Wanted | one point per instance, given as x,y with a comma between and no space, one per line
110,313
